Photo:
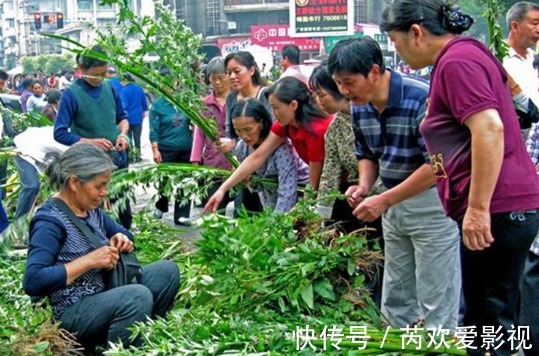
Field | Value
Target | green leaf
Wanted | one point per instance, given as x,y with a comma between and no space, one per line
351,268
307,295
358,281
41,346
282,305
325,290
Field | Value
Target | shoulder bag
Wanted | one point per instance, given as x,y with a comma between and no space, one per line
128,269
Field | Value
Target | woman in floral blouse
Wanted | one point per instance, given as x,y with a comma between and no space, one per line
340,164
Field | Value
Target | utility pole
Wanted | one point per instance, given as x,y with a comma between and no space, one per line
94,7
20,7
2,44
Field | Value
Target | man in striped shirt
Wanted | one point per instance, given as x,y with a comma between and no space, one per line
422,265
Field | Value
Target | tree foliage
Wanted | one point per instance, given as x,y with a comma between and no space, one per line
174,45
48,63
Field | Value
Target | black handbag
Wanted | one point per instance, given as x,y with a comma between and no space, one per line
128,269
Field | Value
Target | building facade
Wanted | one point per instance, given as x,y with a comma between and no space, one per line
210,18
225,17
23,23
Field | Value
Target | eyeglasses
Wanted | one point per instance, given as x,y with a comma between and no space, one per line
93,77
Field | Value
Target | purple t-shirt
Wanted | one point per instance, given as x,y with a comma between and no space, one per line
467,79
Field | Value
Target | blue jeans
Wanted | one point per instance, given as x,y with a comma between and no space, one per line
105,317
30,187
491,277
4,220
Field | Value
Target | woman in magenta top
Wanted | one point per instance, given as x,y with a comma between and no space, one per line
485,178
299,119
204,150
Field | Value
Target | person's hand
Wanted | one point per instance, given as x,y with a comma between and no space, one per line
476,233
537,167
100,142
214,201
122,243
355,195
105,257
157,156
122,143
371,208
225,145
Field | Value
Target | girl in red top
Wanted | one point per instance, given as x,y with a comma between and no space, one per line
297,118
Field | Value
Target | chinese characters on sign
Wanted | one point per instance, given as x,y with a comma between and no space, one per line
275,37
411,338
321,18
233,45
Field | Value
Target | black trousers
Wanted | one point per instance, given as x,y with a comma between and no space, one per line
214,185
134,133
491,277
249,200
180,211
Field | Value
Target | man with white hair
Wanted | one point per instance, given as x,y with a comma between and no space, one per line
523,23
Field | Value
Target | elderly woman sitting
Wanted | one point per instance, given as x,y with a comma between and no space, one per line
64,265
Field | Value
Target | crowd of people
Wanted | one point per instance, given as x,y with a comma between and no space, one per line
438,168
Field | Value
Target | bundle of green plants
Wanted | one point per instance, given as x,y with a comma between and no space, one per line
26,327
282,262
186,182
253,284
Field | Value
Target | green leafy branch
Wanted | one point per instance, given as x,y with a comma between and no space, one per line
177,49
497,44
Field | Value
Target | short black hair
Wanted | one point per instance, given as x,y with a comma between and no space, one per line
27,83
88,61
4,75
321,78
53,96
292,52
127,77
356,56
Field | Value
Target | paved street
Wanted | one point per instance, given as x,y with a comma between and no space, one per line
144,197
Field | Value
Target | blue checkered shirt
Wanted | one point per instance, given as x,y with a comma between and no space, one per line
392,138
532,145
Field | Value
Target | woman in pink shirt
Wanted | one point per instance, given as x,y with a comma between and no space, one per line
204,150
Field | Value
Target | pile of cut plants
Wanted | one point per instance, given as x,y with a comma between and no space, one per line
259,284
251,285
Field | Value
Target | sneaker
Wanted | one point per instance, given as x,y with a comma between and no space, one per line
158,214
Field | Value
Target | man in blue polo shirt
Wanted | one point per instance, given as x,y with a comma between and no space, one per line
422,266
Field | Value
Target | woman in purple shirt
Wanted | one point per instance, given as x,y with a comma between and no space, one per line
204,150
485,178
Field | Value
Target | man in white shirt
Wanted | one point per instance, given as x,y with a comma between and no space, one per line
523,23
291,66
